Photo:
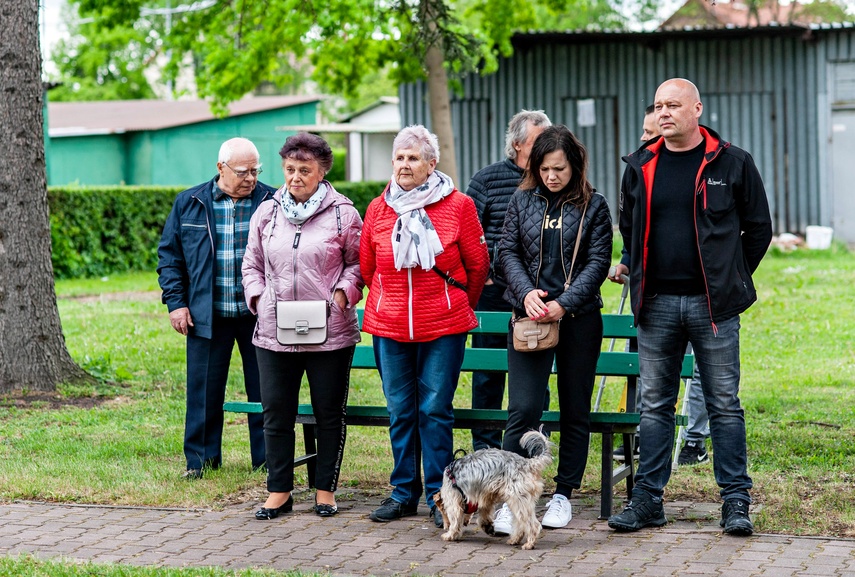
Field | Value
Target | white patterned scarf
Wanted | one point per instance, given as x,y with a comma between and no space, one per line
414,238
298,213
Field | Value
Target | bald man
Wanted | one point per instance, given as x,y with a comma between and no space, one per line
696,224
199,268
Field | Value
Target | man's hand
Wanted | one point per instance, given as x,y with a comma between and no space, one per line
617,272
181,320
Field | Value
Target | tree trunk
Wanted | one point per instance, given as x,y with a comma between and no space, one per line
440,112
32,347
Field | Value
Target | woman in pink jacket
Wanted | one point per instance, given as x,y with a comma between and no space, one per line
304,245
424,258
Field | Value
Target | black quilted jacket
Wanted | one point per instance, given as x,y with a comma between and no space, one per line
491,188
520,250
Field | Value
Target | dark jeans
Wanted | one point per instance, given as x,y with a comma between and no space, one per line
667,324
419,380
575,356
488,387
328,373
207,373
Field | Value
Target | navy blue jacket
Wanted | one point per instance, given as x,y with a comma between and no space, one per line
491,188
187,254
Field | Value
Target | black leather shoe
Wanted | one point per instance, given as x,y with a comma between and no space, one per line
191,474
389,510
325,510
265,514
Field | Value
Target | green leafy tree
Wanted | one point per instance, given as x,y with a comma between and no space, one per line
238,44
103,63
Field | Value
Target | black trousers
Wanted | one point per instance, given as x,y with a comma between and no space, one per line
488,387
328,373
207,373
575,356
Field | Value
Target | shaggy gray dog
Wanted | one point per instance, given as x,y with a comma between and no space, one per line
483,479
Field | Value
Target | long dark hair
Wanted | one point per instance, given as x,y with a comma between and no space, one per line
558,137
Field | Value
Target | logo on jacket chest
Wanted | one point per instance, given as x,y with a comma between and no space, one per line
552,223
713,182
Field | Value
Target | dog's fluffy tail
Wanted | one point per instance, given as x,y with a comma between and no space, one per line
536,445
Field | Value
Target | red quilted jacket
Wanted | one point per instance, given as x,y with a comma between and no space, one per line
417,305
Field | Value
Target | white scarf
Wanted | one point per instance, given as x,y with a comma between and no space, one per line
298,213
414,238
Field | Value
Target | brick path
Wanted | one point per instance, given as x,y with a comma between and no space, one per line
350,544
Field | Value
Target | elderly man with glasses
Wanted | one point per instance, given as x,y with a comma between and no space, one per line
199,267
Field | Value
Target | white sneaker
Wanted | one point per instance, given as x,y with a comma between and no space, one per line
502,523
558,512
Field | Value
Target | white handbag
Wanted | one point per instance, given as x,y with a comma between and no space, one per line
301,322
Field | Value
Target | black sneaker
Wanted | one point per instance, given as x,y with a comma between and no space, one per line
437,517
620,453
734,518
693,453
639,512
389,510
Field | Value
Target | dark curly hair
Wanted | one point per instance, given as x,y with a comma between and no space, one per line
304,146
558,137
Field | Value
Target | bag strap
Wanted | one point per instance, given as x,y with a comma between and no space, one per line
576,247
449,279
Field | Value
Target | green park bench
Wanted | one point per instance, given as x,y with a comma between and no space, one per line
608,424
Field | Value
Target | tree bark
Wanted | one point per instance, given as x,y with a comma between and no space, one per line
32,347
440,111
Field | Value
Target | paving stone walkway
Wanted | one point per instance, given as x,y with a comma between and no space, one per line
350,544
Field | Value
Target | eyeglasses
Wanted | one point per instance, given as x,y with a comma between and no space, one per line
245,173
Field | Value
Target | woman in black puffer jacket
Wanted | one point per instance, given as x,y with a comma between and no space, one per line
535,252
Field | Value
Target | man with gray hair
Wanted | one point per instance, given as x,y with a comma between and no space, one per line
199,267
491,189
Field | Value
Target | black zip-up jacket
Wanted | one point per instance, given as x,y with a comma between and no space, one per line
520,250
733,227
187,257
491,189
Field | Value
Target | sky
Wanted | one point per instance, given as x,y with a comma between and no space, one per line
50,27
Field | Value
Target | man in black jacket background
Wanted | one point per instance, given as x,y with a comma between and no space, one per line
491,189
695,221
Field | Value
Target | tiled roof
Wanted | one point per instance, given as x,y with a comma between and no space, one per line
118,116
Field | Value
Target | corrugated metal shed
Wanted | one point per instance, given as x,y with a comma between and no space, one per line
766,89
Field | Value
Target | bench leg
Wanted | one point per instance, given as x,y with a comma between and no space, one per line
606,482
629,441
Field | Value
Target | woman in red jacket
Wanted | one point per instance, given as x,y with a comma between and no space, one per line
424,259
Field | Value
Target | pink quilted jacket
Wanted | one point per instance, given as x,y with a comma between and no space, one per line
415,304
325,258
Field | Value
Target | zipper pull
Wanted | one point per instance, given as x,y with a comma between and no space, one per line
297,236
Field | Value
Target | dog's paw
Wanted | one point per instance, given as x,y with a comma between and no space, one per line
448,536
514,541
528,546
489,529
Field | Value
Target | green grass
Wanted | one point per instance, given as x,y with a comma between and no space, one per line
120,441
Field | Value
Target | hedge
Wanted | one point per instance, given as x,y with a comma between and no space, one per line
98,231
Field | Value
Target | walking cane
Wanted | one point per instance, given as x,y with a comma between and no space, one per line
623,294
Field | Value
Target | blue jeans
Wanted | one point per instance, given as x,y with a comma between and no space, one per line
667,324
419,381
